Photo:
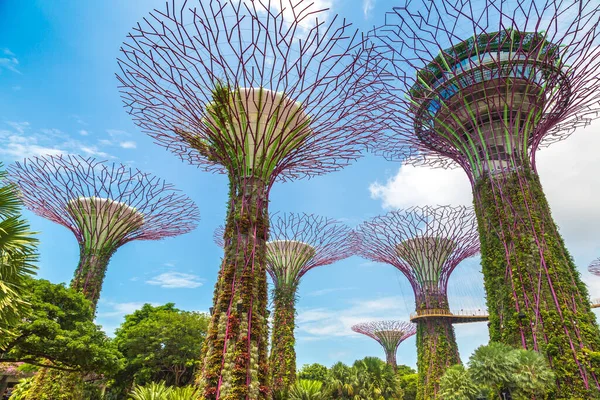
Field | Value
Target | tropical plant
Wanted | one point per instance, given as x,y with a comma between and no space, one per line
457,384
494,366
17,255
20,390
376,380
153,391
313,372
58,332
341,381
305,389
533,378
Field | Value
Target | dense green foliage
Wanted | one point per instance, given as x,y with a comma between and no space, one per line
59,332
17,255
497,370
436,351
160,344
307,390
313,372
282,359
159,391
534,292
245,323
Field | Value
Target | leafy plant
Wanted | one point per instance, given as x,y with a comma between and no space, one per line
305,389
153,391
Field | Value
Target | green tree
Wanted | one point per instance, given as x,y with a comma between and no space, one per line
376,380
457,384
58,332
313,372
533,378
408,384
18,252
493,366
342,381
160,344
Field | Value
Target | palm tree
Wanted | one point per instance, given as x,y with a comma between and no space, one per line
377,380
17,255
342,381
533,378
493,366
457,384
305,389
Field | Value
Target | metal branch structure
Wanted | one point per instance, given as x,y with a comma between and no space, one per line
483,85
594,267
298,243
262,91
104,205
389,334
426,244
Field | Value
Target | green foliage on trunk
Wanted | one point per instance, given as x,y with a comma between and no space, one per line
535,295
238,367
283,354
436,351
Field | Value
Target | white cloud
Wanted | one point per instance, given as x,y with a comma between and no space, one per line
327,291
83,132
368,6
309,21
176,280
121,309
9,61
128,144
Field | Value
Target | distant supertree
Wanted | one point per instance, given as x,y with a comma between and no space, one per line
261,91
105,206
594,267
483,85
298,243
389,334
426,244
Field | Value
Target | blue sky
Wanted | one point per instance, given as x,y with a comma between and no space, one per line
59,94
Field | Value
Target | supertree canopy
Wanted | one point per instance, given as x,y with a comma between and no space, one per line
426,244
389,334
298,243
483,86
104,205
594,267
261,91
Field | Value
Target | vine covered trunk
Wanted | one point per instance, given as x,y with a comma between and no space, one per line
235,364
283,354
53,384
436,351
535,296
91,271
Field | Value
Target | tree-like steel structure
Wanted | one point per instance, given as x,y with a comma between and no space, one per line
483,86
298,243
594,267
426,244
389,334
105,206
261,91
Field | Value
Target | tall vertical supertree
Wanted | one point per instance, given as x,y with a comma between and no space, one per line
261,91
483,85
105,206
389,334
298,243
425,244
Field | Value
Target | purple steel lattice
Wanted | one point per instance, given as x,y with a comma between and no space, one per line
389,334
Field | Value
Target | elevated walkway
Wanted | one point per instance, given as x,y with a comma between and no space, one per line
595,303
455,317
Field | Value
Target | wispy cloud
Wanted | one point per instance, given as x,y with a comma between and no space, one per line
328,291
176,280
368,6
130,144
121,309
8,61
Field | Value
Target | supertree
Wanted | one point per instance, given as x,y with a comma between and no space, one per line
594,267
105,206
261,91
389,334
298,243
483,85
426,244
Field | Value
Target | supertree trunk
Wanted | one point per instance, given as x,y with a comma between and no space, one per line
534,290
283,355
237,336
52,384
90,272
